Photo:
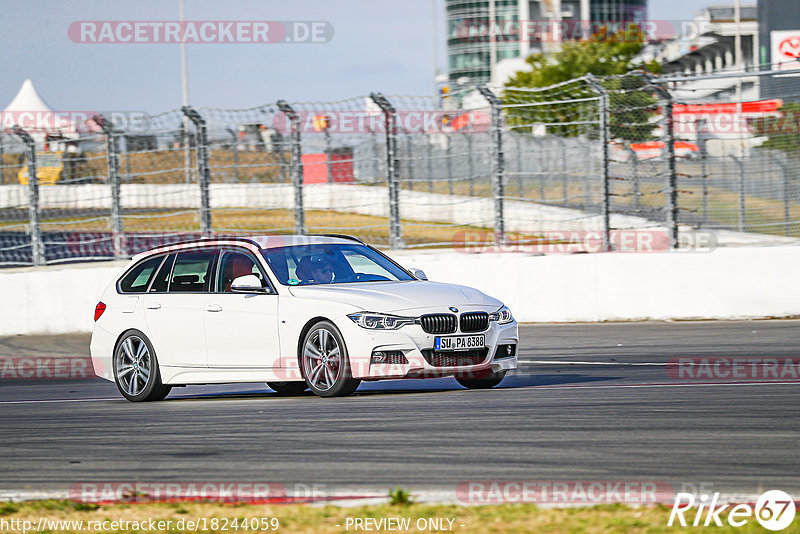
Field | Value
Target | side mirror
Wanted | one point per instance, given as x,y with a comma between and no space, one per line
248,283
418,273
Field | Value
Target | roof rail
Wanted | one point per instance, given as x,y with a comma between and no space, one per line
341,236
201,240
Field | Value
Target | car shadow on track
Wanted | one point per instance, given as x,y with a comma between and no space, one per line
532,380
401,387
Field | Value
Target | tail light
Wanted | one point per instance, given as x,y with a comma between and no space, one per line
98,310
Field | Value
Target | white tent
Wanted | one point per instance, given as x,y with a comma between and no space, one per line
28,99
30,112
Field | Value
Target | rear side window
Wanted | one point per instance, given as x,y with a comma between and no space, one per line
138,278
161,281
192,272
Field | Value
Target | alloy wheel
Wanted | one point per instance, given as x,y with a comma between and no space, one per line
322,359
133,365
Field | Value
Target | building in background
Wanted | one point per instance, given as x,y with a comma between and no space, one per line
478,56
770,39
708,46
720,110
779,46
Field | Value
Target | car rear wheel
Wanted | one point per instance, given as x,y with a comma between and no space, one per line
288,388
136,369
324,362
486,381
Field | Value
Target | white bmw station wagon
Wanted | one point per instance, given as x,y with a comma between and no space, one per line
297,312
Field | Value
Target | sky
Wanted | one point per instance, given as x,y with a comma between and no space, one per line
376,46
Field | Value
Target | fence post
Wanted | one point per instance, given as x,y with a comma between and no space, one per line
742,214
540,170
34,215
410,162
588,193
604,139
203,172
787,221
704,178
470,166
296,168
520,182
429,149
2,163
449,157
637,192
376,167
498,184
285,167
564,186
187,149
671,188
112,159
127,162
328,170
235,154
395,230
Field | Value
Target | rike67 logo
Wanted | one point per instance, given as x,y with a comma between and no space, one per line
774,510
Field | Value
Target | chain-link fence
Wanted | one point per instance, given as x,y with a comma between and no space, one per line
596,155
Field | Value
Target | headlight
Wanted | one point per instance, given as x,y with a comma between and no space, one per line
380,321
501,316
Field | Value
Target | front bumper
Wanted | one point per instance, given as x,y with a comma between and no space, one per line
411,340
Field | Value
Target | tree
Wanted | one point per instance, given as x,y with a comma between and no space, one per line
782,132
609,57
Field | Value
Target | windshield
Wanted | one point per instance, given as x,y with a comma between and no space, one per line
331,264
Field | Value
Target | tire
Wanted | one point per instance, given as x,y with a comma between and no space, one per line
288,388
136,371
324,362
488,381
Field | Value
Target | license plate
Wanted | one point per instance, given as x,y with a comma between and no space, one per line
459,342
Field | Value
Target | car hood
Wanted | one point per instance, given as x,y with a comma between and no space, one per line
394,297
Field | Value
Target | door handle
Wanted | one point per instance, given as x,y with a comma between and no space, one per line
214,308
153,306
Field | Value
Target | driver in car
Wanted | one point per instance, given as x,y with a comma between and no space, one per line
316,269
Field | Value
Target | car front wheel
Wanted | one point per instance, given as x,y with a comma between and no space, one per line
136,369
324,361
288,388
484,381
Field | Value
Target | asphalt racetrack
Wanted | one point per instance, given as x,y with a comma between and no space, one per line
589,402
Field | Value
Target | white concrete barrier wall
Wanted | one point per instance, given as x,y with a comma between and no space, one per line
520,216
347,198
52,299
728,283
731,283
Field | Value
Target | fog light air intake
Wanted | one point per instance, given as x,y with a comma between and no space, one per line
505,351
392,357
